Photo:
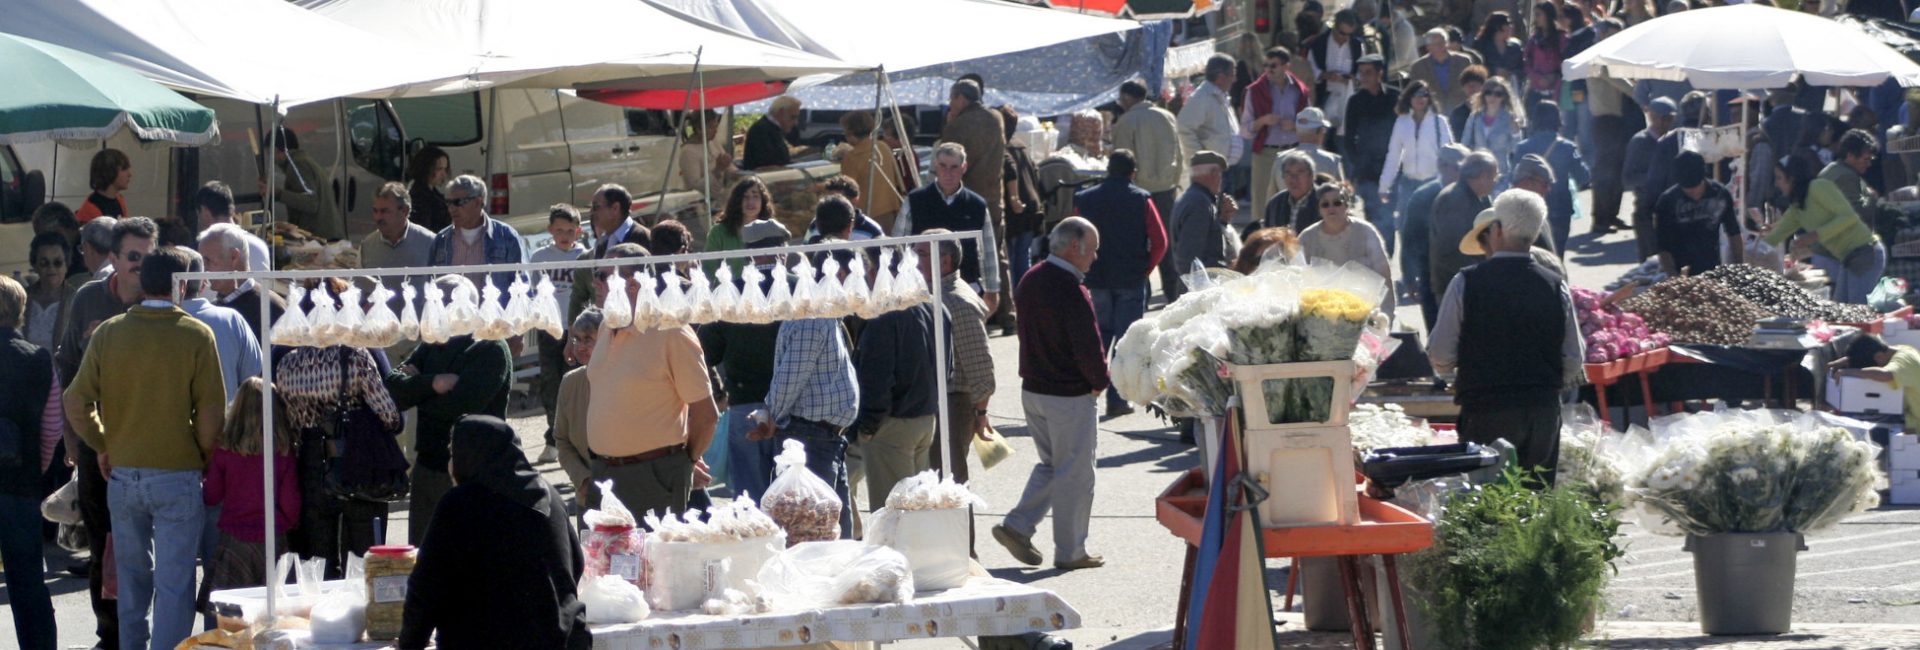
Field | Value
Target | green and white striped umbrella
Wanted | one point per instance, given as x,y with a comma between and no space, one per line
49,92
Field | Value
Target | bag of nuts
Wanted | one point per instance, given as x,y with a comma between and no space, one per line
803,504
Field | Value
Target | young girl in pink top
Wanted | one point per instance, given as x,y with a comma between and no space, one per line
233,483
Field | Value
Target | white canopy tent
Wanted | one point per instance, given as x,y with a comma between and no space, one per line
258,51
1744,47
546,40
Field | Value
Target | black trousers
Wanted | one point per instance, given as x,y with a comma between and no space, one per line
99,523
1609,156
1170,284
1532,429
331,527
553,365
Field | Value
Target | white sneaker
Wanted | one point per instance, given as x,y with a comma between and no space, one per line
548,455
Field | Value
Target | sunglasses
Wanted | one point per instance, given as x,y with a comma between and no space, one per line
50,261
133,257
1496,95
462,201
1333,204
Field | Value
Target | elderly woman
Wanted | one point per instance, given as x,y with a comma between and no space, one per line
1843,245
497,568
570,414
868,163
1086,137
1339,239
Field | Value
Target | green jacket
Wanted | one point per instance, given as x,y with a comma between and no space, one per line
1827,214
485,369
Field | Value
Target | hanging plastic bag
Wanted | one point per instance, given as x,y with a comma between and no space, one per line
433,316
380,328
880,299
494,324
463,311
409,320
324,317
804,285
829,293
856,287
618,309
611,601
910,284
293,328
1886,295
803,504
780,292
699,298
724,302
63,506
519,306
672,304
544,314
613,543
646,301
346,322
754,308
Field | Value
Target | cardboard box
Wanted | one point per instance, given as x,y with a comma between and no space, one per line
1906,337
1905,490
1861,395
1903,452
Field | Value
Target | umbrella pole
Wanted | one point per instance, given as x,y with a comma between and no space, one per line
1742,172
873,161
706,146
900,128
267,482
660,205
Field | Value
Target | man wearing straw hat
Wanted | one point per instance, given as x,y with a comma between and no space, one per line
1508,335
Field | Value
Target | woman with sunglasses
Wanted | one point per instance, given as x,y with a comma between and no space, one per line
1494,125
1338,238
47,298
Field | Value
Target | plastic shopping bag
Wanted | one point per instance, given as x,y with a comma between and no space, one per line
830,574
293,328
993,449
803,504
63,506
610,600
613,543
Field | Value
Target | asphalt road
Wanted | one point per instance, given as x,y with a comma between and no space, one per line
1865,571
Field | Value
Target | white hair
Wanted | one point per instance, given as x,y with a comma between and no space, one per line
1071,231
230,237
1522,214
951,149
784,103
1295,158
473,186
1435,34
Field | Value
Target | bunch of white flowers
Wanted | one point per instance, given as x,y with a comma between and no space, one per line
1385,427
1753,472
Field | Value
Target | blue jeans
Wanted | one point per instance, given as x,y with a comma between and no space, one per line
1379,213
1116,310
158,518
826,458
27,593
1020,255
749,463
1854,278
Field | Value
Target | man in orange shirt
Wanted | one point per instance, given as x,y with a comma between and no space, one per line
653,413
110,173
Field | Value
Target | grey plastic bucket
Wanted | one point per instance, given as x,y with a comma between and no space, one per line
1745,581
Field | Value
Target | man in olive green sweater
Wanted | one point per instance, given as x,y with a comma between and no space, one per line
150,399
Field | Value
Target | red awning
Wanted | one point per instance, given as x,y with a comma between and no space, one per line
676,98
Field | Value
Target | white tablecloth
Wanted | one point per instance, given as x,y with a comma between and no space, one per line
985,606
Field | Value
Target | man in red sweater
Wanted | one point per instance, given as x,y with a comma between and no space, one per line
1062,371
1136,239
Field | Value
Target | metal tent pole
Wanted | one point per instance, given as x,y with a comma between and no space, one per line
660,205
266,372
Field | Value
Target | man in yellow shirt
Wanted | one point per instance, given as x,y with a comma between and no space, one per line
1899,365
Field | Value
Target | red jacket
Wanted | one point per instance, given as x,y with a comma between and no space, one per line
1060,351
1261,94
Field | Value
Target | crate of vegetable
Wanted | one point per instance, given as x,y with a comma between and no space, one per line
1612,334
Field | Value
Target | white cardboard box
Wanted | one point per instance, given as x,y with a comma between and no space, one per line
1862,395
1891,326
1906,337
1903,451
1905,490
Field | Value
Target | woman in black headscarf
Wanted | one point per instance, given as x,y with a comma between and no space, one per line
499,564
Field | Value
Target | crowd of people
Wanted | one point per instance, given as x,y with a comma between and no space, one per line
1364,140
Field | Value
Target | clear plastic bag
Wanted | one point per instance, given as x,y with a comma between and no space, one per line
803,504
672,304
434,327
346,322
829,293
699,298
544,315
819,575
380,328
519,312
805,283
293,328
617,308
927,519
613,543
754,308
409,321
910,285
340,617
494,324
856,288
780,293
881,299
724,303
612,601
646,301
463,311
322,317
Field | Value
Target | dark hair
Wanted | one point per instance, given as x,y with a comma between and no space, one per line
1861,353
563,212
1691,104
105,168
1550,32
420,166
1120,164
1491,28
286,141
857,124
1280,52
141,227
1544,117
735,217
832,215
54,216
1009,120
1455,34
216,197
1473,74
50,240
1855,142
1219,64
843,185
669,237
157,269
977,79
1133,88
1800,171
1415,87
618,196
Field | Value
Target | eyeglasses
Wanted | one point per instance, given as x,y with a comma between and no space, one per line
1333,204
462,201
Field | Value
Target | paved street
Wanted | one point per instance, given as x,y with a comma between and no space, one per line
1859,585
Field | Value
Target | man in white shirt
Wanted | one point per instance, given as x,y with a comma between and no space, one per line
1207,122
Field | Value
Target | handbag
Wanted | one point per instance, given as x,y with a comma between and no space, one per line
364,461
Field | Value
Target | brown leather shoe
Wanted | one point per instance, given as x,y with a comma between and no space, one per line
1091,561
1021,546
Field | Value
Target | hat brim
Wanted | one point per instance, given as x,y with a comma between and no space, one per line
1470,244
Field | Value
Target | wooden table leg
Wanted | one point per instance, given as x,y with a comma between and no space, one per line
1646,396
1357,620
1186,594
1293,582
1399,606
1600,395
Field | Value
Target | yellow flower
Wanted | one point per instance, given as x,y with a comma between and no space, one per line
1334,304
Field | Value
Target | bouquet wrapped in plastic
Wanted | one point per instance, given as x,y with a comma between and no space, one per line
1194,376
1328,324
1735,471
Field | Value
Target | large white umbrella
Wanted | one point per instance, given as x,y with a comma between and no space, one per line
1744,47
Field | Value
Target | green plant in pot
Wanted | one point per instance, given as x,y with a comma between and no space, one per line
1515,568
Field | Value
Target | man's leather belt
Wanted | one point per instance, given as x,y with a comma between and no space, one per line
645,456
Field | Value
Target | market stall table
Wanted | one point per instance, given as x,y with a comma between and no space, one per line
1385,530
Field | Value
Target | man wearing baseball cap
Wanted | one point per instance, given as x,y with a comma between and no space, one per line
1660,116
1690,218
1507,335
1312,126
